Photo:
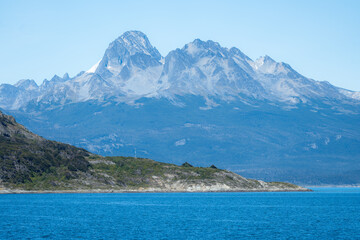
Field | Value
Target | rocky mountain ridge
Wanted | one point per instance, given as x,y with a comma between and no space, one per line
132,68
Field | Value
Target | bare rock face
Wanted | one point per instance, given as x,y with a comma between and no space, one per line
10,128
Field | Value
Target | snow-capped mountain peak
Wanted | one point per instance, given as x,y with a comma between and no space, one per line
132,48
130,66
135,42
209,48
266,64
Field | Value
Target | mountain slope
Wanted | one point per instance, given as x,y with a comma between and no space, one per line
30,162
23,153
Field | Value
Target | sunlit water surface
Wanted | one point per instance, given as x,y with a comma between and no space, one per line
326,213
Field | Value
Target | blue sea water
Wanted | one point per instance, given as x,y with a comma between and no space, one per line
326,213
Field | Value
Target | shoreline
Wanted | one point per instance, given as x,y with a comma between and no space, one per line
18,191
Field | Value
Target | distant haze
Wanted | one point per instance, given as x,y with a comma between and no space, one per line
320,39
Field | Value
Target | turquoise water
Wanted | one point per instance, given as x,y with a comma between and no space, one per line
326,213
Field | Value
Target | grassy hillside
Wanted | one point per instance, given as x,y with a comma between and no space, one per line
24,155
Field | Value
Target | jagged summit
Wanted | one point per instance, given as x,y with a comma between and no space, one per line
129,44
199,44
130,47
135,42
266,64
66,76
132,68
266,59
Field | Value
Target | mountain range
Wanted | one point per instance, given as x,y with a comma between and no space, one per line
202,103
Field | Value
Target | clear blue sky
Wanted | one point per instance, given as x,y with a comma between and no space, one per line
320,39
